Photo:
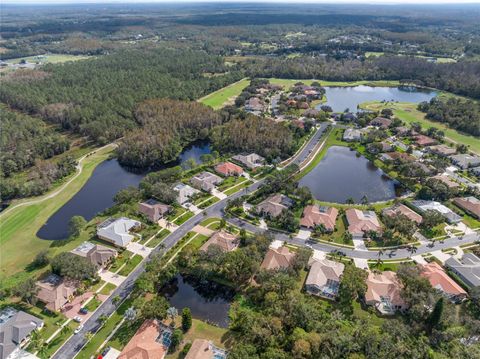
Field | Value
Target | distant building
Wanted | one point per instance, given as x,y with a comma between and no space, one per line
226,241
274,205
383,292
280,258
206,181
205,349
446,179
394,156
251,161
467,268
381,122
352,134
423,141
399,209
446,212
184,192
55,292
154,210
442,150
149,342
100,256
465,161
442,282
254,105
315,215
361,222
471,205
324,278
117,231
15,329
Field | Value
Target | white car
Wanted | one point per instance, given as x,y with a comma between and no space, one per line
80,327
77,319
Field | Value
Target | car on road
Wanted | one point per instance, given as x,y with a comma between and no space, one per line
76,331
105,351
77,319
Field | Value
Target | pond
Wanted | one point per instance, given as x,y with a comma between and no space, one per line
342,98
207,300
341,175
98,192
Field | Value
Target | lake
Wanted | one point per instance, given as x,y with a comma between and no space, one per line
207,300
341,98
341,175
98,192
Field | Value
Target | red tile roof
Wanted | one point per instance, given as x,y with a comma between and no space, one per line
440,280
143,344
315,215
228,169
277,259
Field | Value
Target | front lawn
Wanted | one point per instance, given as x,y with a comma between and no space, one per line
183,218
238,187
208,203
120,260
93,304
158,238
109,288
131,265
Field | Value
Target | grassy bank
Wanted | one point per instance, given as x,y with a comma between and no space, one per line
222,97
288,83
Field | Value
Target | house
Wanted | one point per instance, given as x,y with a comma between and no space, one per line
153,209
314,215
204,349
226,241
100,256
311,113
251,161
117,231
15,329
401,131
205,181
377,147
423,141
442,282
445,179
469,204
401,209
324,278
467,268
397,156
254,105
274,205
352,134
228,169
446,212
184,192
383,292
361,222
381,122
280,258
55,292
464,160
442,150
147,343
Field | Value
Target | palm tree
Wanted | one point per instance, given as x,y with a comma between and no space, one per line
64,330
42,351
412,249
88,336
172,313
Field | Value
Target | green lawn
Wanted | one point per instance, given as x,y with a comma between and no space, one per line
222,97
288,83
208,203
123,335
131,265
176,212
238,187
93,305
120,260
337,235
208,221
229,182
51,59
109,288
158,239
183,218
58,341
19,243
198,241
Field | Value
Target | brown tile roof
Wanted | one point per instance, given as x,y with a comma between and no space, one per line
383,285
440,280
423,140
153,209
360,222
444,178
143,344
399,156
226,241
402,209
54,291
323,272
381,122
443,150
274,205
277,259
469,204
228,169
201,349
314,215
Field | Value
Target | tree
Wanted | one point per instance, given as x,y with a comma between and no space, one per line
75,226
69,265
41,259
352,286
27,290
186,319
177,337
431,219
116,299
154,309
435,317
130,314
127,195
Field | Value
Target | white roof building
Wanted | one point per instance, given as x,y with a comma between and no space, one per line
184,192
117,231
449,215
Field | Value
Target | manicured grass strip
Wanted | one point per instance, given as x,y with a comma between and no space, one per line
176,212
185,217
159,238
120,260
229,182
208,203
58,341
237,188
108,288
123,335
198,241
93,304
208,221
219,98
131,264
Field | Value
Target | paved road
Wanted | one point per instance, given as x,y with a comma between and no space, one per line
76,342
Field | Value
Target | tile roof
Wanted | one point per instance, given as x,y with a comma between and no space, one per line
400,208
54,291
325,275
360,222
228,169
314,215
383,290
469,204
277,259
153,209
226,241
144,344
440,280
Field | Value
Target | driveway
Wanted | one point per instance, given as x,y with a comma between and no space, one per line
303,234
113,278
203,230
442,257
71,309
218,194
360,263
359,245
138,248
419,260
276,244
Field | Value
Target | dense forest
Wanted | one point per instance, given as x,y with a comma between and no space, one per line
166,126
458,114
96,98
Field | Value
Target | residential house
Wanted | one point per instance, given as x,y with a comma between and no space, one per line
381,122
446,212
274,205
228,169
205,181
147,343
280,258
394,156
446,179
251,161
254,105
383,292
467,268
401,209
464,160
424,141
442,150
153,209
469,204
314,215
379,147
401,131
15,329
55,292
184,192
352,134
324,278
442,282
100,256
311,113
205,349
361,222
226,241
117,231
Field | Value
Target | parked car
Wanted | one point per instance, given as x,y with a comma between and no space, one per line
77,319
83,311
80,327
105,351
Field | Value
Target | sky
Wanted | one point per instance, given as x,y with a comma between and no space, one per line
270,1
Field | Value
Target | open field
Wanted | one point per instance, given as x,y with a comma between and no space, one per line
288,83
51,59
221,97
19,243
440,60
408,112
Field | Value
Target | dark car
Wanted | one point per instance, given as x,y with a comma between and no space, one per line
105,351
83,310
